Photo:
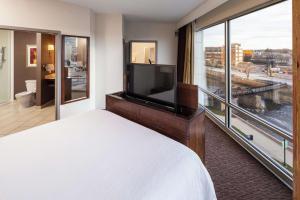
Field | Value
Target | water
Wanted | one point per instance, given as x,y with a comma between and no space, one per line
278,104
278,107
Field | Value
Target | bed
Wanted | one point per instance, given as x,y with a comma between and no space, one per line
99,155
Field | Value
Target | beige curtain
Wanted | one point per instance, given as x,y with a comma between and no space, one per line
188,70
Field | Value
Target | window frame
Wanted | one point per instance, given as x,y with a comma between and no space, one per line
282,173
223,100
63,101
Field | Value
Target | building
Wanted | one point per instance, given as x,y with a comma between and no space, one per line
281,57
215,56
247,55
236,54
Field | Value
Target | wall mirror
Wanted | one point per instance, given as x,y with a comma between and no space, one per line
75,68
143,52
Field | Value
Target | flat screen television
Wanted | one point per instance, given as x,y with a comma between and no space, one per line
152,83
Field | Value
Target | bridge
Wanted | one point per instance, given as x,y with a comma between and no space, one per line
248,91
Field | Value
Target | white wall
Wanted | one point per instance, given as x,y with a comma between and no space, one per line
109,56
93,75
88,104
164,33
204,8
45,14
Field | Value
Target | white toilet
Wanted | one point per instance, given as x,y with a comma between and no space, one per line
27,99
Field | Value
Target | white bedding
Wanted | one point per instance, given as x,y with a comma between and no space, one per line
99,155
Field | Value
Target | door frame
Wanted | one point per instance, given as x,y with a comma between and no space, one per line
57,60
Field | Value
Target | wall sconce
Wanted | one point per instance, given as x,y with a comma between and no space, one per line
50,48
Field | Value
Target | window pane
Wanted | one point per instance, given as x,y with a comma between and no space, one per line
264,139
75,68
213,105
261,64
210,59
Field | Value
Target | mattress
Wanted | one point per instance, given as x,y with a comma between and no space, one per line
99,155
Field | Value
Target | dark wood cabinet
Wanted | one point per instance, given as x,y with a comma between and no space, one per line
187,129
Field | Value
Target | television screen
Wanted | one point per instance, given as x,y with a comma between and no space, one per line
155,83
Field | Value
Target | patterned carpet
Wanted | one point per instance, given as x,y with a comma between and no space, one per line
235,173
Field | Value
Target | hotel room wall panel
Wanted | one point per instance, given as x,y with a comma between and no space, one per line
109,59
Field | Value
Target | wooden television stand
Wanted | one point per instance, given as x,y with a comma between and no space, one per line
187,129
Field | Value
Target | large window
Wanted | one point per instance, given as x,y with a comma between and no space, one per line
75,68
246,82
213,105
210,53
261,64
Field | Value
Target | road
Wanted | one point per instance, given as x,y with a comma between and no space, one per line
279,78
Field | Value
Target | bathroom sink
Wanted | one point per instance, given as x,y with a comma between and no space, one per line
50,76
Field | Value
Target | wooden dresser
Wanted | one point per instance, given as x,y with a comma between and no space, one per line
187,129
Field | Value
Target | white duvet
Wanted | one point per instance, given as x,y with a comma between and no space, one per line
99,155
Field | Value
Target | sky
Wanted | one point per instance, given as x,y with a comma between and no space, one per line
267,28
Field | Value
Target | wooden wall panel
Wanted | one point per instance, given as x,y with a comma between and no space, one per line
45,92
296,85
47,57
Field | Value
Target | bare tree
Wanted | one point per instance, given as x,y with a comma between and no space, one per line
246,67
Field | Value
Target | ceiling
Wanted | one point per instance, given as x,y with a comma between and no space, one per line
142,10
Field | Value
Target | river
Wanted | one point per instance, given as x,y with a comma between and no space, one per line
278,103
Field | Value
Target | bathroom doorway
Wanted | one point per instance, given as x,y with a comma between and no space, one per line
27,79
